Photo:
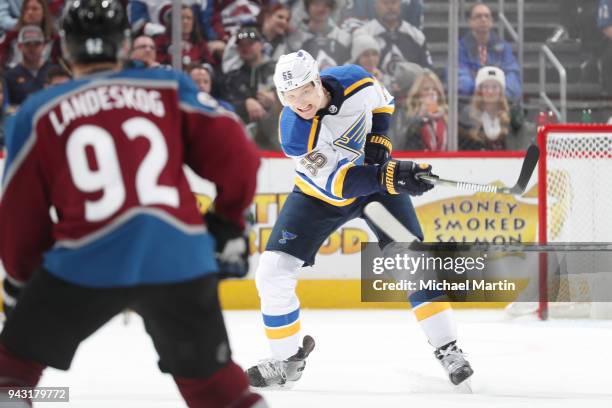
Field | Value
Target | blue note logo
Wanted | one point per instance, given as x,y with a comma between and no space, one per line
353,140
287,236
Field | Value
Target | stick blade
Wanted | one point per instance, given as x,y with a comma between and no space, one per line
390,225
529,163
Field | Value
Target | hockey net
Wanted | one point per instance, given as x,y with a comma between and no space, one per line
575,206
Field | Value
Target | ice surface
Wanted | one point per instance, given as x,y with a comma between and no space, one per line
373,358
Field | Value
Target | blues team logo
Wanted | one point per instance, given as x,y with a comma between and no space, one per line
287,236
353,139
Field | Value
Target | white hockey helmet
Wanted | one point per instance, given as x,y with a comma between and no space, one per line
293,71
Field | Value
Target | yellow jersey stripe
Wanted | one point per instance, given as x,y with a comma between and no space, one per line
430,309
357,85
385,109
312,137
281,333
309,190
338,183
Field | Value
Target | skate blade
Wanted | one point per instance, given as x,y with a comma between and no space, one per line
276,387
465,387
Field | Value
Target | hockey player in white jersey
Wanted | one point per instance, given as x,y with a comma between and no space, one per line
334,127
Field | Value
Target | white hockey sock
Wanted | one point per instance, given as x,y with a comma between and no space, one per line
437,321
276,278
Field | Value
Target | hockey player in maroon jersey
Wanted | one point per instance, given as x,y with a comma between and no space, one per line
106,152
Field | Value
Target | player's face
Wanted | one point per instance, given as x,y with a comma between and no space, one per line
305,100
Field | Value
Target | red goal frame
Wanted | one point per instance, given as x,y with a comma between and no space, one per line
543,132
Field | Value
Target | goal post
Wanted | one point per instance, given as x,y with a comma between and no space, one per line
574,206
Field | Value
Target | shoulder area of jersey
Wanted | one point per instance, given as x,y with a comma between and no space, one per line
351,77
294,132
347,71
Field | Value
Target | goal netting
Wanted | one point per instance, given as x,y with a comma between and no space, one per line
575,207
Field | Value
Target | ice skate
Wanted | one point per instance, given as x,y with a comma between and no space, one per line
452,359
272,373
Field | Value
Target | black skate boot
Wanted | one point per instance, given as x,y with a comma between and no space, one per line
272,373
452,359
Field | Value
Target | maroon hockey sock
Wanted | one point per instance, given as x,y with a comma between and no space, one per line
228,387
16,372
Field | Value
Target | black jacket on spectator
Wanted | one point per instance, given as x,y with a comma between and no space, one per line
329,49
244,82
406,43
21,82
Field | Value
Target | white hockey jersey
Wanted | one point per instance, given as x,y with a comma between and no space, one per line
328,148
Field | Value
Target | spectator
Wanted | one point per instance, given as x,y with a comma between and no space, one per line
9,14
147,18
145,51
398,39
320,36
202,75
357,12
364,52
273,24
33,12
194,48
57,75
401,82
604,22
488,123
250,89
224,18
427,115
30,75
482,47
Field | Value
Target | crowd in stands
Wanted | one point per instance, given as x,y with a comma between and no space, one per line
229,48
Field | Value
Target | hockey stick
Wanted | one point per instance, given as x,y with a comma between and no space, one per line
529,163
384,220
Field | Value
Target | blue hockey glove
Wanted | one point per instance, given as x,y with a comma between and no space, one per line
400,176
232,248
377,149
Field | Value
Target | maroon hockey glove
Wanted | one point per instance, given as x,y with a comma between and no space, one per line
232,246
11,290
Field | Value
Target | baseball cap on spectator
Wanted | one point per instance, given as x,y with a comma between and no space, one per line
30,34
361,44
405,73
491,73
248,33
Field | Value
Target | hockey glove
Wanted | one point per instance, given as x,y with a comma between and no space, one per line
377,149
400,176
232,248
11,290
